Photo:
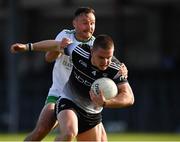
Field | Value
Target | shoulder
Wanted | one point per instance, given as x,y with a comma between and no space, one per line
82,50
115,64
65,33
85,47
115,60
78,49
115,67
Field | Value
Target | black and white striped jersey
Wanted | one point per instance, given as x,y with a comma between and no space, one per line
84,74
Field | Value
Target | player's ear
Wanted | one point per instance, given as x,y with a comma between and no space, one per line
92,52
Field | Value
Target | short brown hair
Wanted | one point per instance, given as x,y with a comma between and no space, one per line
83,10
103,41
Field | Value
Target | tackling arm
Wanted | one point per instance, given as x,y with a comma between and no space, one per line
45,45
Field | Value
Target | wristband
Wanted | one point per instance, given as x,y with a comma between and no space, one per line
30,45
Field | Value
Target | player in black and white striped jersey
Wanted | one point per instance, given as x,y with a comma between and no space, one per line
78,104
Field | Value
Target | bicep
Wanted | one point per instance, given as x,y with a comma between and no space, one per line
125,91
124,87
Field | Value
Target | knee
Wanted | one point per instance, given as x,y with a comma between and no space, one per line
70,134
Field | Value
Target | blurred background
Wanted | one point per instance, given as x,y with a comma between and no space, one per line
146,34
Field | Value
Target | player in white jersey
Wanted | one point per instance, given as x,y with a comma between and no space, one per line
84,23
63,65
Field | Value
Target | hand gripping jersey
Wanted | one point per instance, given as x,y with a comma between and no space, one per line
63,65
84,74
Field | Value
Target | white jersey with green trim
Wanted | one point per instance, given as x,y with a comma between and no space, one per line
63,65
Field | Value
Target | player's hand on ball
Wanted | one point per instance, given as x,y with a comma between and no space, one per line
99,99
18,47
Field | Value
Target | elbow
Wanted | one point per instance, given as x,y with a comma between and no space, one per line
130,98
51,56
129,101
47,59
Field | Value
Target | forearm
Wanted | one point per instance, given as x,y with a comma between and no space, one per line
124,98
46,45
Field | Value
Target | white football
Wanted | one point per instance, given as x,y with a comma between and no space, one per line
107,85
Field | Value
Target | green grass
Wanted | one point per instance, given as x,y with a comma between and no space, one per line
111,137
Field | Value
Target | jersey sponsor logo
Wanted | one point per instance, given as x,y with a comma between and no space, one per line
82,80
67,63
83,63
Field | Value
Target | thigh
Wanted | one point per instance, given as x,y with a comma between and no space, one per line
70,113
68,120
93,134
47,116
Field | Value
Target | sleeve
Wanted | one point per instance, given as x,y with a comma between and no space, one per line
114,59
120,79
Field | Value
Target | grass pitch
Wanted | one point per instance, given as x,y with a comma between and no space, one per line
111,137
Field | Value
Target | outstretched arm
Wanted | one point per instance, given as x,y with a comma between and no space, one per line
45,45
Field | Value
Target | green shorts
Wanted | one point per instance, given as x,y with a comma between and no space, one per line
51,99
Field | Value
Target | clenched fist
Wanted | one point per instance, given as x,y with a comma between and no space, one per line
18,47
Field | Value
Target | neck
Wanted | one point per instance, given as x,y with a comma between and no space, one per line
81,39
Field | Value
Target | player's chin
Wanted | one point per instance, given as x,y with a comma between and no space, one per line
88,35
103,68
